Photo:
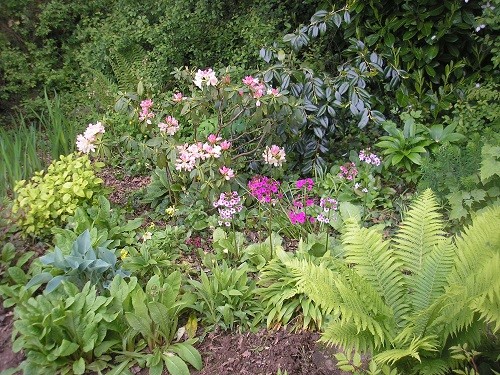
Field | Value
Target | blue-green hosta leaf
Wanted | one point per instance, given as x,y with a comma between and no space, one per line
188,353
176,366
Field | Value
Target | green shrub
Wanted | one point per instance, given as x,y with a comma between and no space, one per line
50,197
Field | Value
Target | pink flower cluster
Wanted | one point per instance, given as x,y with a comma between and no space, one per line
228,205
206,77
86,142
189,154
264,189
255,87
308,183
177,97
170,126
274,155
299,217
348,171
145,113
226,172
369,158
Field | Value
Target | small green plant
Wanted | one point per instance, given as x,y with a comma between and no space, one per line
83,264
107,227
154,318
156,255
67,332
13,278
50,197
226,297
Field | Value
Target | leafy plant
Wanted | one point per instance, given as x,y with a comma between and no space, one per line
50,197
283,301
446,294
14,278
154,317
157,255
226,297
68,331
82,265
107,227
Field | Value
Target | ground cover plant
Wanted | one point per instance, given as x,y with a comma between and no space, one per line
328,176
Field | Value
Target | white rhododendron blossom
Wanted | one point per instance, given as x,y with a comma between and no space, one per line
274,155
206,77
86,142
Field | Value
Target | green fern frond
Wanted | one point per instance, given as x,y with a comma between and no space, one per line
417,345
347,336
125,64
317,282
374,261
420,231
429,284
434,366
477,243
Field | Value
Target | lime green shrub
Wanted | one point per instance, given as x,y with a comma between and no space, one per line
50,197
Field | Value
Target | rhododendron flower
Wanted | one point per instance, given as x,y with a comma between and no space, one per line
145,114
205,76
85,141
273,92
92,130
177,97
170,126
212,138
213,151
225,145
84,145
228,173
274,155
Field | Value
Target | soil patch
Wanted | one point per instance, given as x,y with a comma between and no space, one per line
8,359
264,353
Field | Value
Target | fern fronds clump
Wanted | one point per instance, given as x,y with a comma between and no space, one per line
409,300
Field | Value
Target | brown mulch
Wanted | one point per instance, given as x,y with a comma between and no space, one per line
264,353
122,185
8,359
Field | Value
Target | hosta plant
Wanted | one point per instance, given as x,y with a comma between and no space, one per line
51,196
83,264
410,299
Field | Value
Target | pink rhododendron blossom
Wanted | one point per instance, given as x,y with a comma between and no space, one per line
273,92
212,138
177,97
274,155
255,87
226,172
225,145
145,107
92,130
170,126
205,76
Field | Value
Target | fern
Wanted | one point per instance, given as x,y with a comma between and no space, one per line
124,64
449,296
420,232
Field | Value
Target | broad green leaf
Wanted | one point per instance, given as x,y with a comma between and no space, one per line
176,366
140,324
66,348
79,366
188,354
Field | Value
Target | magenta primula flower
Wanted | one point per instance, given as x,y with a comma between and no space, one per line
264,189
308,183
